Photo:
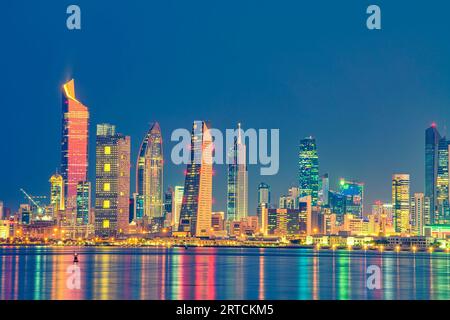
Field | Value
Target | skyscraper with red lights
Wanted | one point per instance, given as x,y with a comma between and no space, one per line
74,143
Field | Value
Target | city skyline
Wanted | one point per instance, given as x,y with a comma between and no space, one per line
309,208
305,83
308,146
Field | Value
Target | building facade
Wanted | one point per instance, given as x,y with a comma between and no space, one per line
57,200
354,197
309,169
196,208
237,180
83,202
112,186
432,138
74,144
401,203
149,176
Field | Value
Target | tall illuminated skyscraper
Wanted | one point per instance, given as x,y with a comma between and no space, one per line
83,202
442,215
264,194
149,176
308,173
74,144
168,206
196,209
432,138
237,187
401,203
354,197
177,202
262,210
418,213
324,189
57,193
112,185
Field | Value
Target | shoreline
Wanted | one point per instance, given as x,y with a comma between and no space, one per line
292,247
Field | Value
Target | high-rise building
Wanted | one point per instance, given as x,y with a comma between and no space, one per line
442,215
237,189
309,169
354,196
432,138
168,206
83,202
401,202
177,202
2,214
262,210
337,202
74,144
264,194
324,189
57,200
195,215
417,213
149,176
112,186
262,214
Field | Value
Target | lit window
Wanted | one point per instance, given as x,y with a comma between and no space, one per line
107,187
107,167
106,204
105,224
107,150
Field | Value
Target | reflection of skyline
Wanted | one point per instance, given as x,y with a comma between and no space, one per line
215,274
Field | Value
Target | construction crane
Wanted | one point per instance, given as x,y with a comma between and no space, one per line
40,209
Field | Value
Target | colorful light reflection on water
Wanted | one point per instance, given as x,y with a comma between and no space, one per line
36,273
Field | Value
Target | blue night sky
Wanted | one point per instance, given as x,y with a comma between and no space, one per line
305,67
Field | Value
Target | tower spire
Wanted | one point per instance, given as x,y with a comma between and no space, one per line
239,137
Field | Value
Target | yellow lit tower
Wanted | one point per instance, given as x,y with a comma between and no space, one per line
401,203
112,185
57,193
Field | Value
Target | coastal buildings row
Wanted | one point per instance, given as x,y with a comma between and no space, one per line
107,207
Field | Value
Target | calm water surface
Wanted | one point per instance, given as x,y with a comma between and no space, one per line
220,273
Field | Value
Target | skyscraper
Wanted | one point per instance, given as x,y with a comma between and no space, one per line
432,138
74,144
57,193
264,194
337,202
354,197
442,184
309,169
324,189
237,190
168,206
195,215
401,202
149,176
417,213
262,210
83,202
112,186
177,202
